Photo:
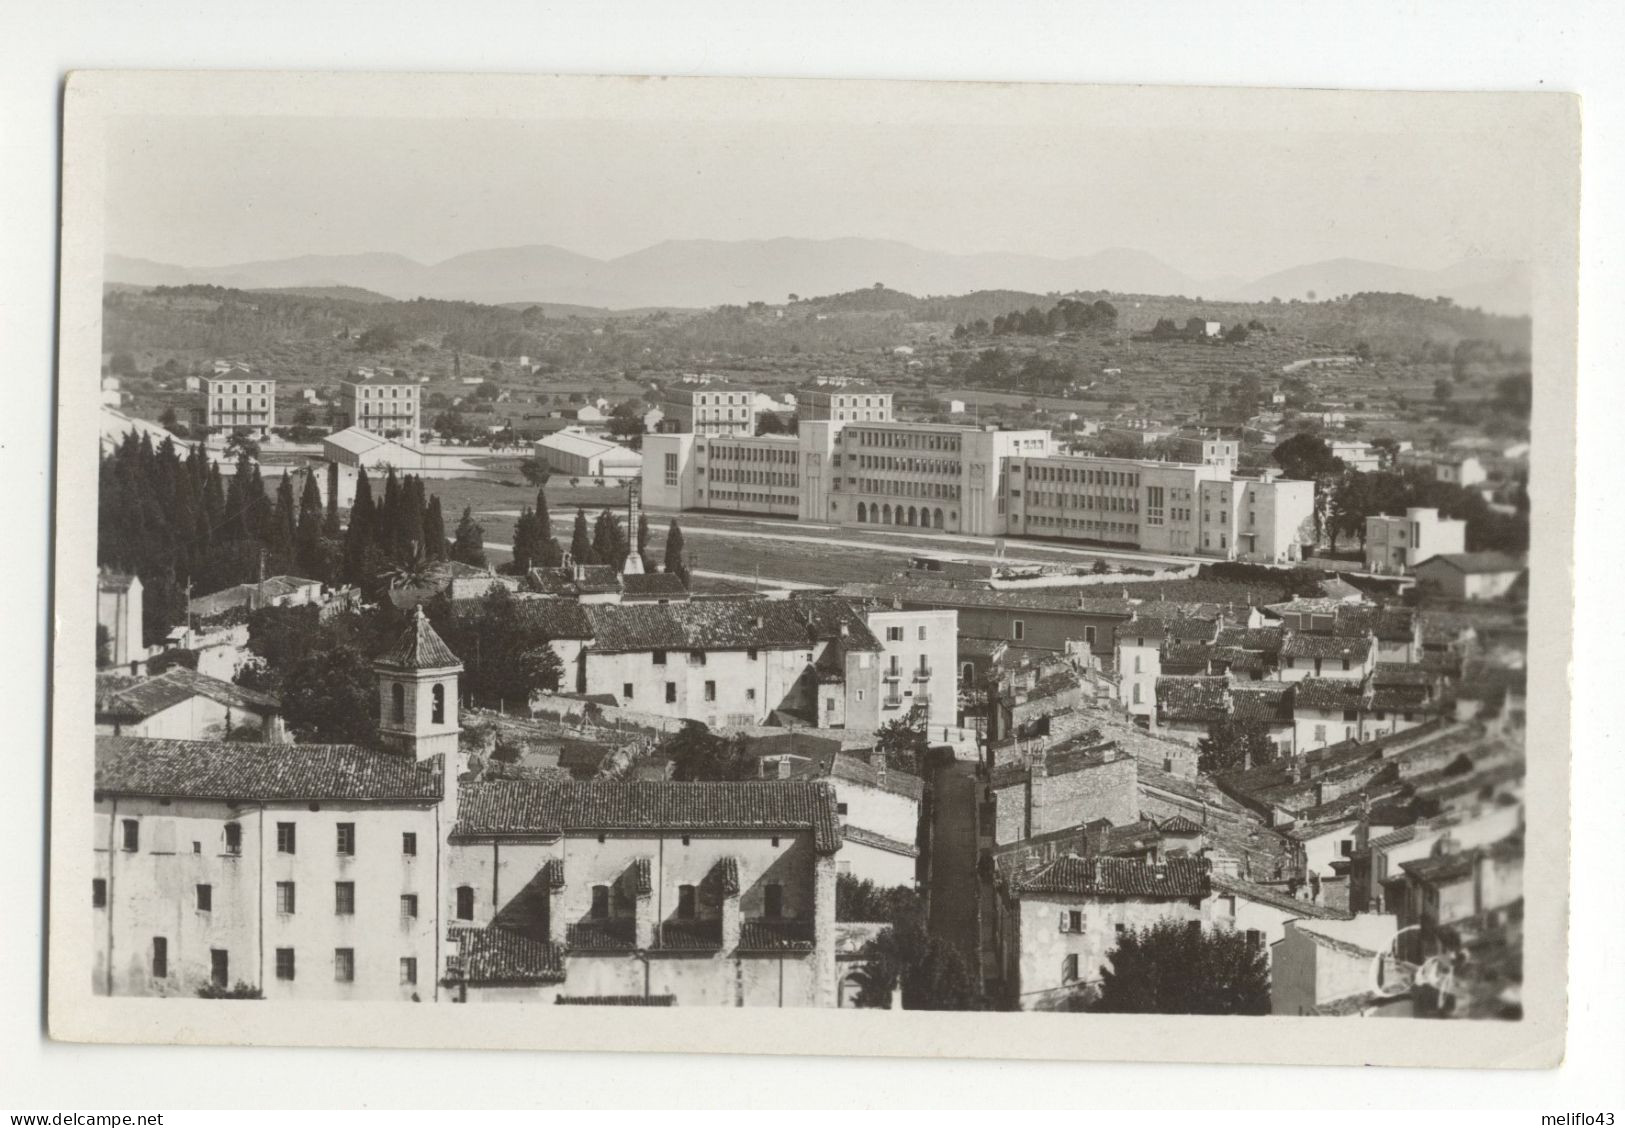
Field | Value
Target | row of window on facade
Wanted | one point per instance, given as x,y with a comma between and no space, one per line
232,839
286,966
900,440
1079,475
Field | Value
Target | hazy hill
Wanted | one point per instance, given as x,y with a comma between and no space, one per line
699,273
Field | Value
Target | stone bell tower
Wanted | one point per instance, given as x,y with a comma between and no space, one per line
417,692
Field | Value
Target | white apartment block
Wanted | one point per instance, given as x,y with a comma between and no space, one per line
737,473
917,664
848,405
1399,544
239,401
713,410
383,405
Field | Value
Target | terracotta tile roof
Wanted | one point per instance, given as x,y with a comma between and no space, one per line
1179,824
229,770
1261,701
1326,695
144,698
593,579
1075,755
1267,639
743,624
553,873
922,595
726,872
775,936
1193,630
1194,655
1275,898
1153,631
1195,700
1391,624
689,935
653,585
418,648
616,1000
1175,879
498,956
554,807
1301,644
610,935
1399,673
879,841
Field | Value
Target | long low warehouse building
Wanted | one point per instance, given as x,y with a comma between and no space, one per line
580,455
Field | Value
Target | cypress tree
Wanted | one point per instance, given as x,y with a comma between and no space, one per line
359,536
675,563
580,541
331,526
469,547
386,530
283,529
643,540
524,541
434,531
308,535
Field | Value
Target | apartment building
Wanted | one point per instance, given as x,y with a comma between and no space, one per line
849,404
305,871
919,650
385,405
238,399
712,409
678,894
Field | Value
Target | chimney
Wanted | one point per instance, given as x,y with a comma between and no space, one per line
759,623
880,768
846,629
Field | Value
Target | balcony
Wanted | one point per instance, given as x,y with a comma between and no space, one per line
891,675
923,674
766,935
612,935
891,703
690,936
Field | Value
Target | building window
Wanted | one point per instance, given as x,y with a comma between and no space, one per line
671,469
234,838
160,957
773,898
465,902
344,898
1136,691
98,893
284,963
1089,635
397,703
685,902
626,690
205,898
750,694
922,634
284,897
1069,969
285,839
710,691
671,692
409,971
1255,938
659,657
344,965
696,657
437,705
1075,920
894,634
219,967
132,835
1018,630
840,809
409,843
409,906
346,838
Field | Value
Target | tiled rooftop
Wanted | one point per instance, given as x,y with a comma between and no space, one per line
497,956
144,698
745,624
418,648
553,807
232,770
1175,879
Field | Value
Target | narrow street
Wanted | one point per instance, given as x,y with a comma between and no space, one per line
954,886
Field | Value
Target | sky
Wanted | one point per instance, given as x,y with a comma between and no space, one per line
1221,201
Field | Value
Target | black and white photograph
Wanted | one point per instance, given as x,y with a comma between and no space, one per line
1070,559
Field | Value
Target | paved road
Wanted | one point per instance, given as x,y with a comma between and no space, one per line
954,885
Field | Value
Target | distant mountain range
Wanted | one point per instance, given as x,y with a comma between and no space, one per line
698,273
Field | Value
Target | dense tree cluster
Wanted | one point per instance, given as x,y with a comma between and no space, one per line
698,754
322,669
1067,315
1174,968
180,524
503,643
1233,744
389,541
